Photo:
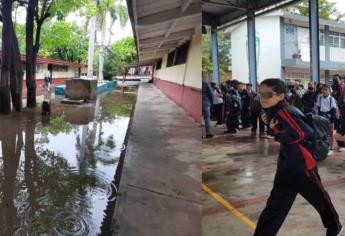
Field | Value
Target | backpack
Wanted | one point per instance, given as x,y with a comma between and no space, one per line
320,142
235,103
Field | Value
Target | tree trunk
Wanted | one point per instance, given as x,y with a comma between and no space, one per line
91,47
30,73
16,75
5,99
30,157
112,21
101,51
79,68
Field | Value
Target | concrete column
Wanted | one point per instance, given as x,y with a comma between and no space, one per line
327,76
314,40
327,44
251,48
215,60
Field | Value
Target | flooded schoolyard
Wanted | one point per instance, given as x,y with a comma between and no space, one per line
57,173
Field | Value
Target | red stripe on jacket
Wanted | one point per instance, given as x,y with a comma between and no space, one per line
284,114
308,157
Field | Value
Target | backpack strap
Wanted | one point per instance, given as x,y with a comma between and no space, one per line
295,111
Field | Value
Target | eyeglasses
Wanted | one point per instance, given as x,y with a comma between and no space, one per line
267,94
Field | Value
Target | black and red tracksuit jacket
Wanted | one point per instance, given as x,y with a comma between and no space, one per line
295,136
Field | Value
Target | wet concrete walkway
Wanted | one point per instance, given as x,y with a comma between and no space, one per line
160,190
241,169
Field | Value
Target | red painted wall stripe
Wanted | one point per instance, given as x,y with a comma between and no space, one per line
188,98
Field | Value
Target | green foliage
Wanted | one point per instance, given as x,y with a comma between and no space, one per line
61,8
224,56
64,41
20,31
206,55
327,10
58,125
122,53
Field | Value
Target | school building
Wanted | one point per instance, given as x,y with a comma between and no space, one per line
60,70
168,36
283,48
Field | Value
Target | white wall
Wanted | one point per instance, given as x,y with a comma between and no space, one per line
188,74
268,49
238,37
194,64
173,74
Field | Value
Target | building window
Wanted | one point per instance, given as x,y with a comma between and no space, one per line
322,39
171,59
334,39
159,64
342,40
39,68
58,68
179,56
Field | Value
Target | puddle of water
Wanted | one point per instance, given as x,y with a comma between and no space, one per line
57,174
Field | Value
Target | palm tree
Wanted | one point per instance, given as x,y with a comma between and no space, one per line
104,9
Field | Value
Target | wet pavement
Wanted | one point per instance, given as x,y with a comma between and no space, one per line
57,172
160,189
241,169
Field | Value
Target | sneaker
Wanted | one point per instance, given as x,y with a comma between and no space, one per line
341,149
269,136
263,135
330,152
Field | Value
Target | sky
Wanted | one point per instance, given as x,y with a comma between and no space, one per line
340,5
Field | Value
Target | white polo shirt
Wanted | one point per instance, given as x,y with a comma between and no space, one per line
326,103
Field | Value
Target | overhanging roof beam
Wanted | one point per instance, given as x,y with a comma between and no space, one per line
170,15
172,36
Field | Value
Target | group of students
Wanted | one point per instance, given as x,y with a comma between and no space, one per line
237,105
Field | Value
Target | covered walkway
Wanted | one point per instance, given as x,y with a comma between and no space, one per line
160,193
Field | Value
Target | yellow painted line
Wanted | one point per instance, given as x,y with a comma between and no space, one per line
229,207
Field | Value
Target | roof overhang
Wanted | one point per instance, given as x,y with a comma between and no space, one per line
219,13
44,60
303,21
161,26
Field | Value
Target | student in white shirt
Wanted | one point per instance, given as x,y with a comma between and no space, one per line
217,104
327,107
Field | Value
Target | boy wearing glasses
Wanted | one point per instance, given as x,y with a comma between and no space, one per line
296,168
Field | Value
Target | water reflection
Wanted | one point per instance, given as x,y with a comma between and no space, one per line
57,174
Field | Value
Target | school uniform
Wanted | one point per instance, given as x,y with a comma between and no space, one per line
245,96
255,108
218,106
309,101
327,107
296,174
233,117
341,125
